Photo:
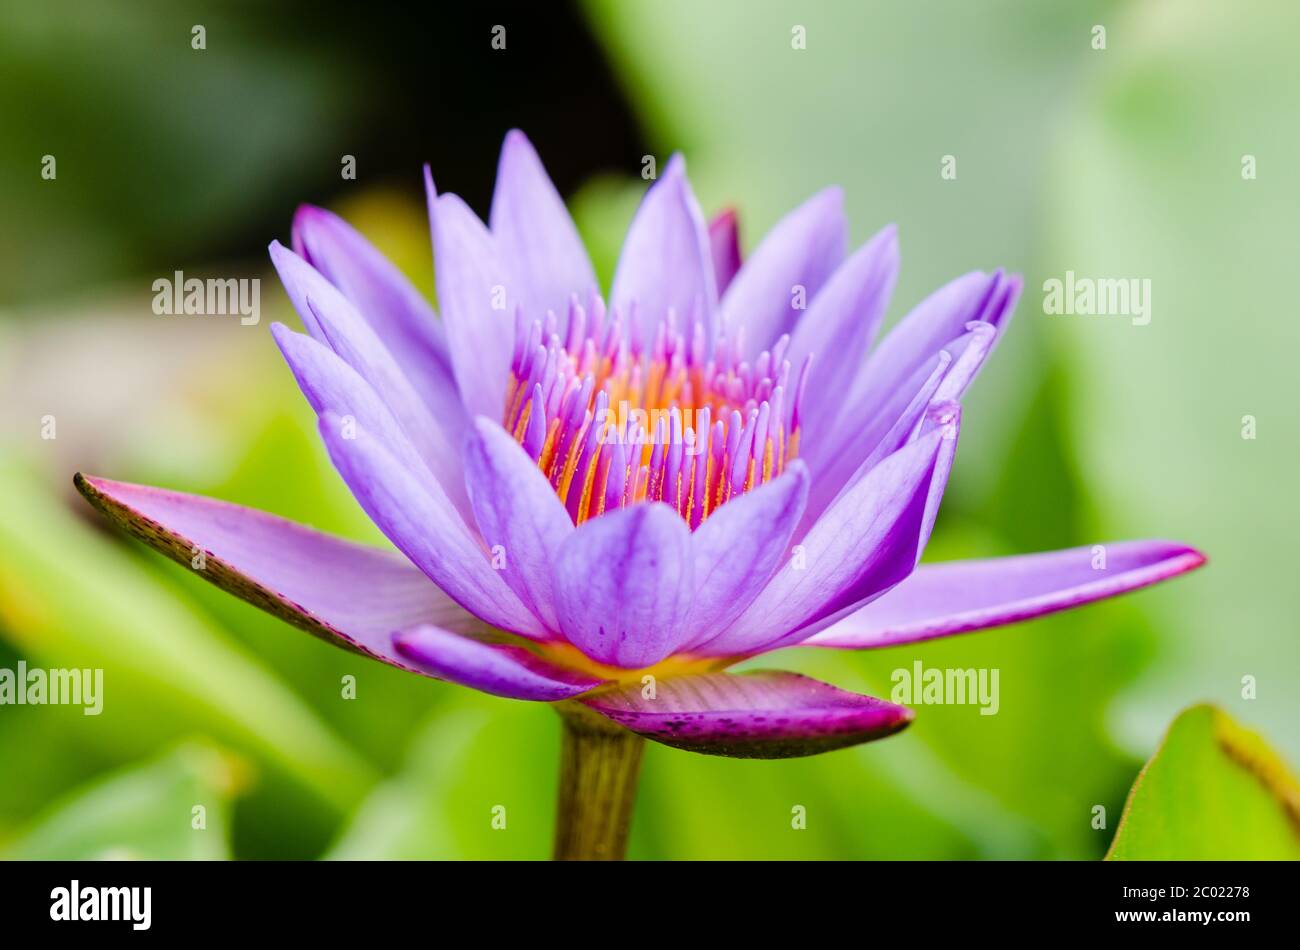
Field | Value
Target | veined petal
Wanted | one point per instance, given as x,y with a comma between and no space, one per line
724,242
933,325
892,427
478,297
348,594
969,351
838,329
331,385
801,251
497,668
534,233
402,319
416,517
868,541
888,428
624,585
943,418
939,600
760,715
666,261
332,319
737,550
937,320
517,510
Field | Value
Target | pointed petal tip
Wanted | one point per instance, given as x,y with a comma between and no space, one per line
516,148
947,598
430,189
885,241
797,468
485,430
515,138
308,211
831,197
98,491
345,593
1181,558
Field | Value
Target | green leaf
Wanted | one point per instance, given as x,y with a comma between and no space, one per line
147,812
1213,791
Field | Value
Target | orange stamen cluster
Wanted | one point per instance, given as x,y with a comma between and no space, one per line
612,422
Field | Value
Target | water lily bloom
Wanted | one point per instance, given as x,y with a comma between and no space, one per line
605,502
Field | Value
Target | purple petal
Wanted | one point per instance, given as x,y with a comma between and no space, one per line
497,668
724,242
399,314
739,547
945,419
939,600
416,517
332,320
866,542
534,233
803,250
345,593
937,320
478,299
863,448
937,323
838,329
331,385
666,261
765,714
518,510
836,465
623,585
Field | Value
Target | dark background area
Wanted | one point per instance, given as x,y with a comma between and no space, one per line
135,117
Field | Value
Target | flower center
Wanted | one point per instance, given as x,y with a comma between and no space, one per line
612,422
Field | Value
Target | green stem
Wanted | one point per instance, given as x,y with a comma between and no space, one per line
599,765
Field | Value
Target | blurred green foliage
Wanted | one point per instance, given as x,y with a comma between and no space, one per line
174,808
169,110
1122,162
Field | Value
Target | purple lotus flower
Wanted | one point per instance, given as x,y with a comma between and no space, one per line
605,504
